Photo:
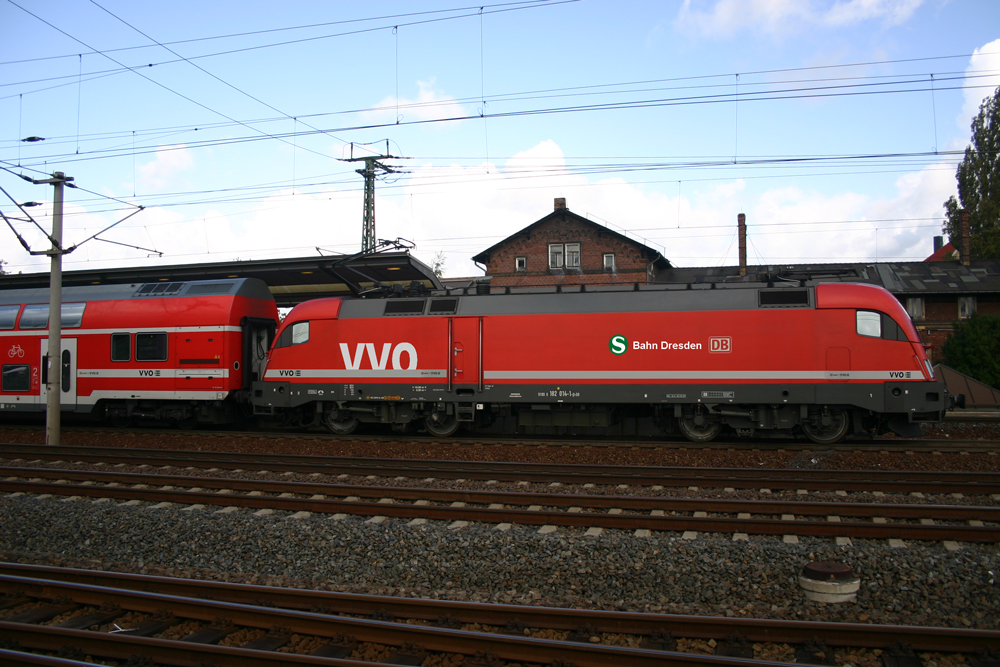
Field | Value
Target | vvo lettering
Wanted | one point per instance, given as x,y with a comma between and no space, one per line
720,344
378,361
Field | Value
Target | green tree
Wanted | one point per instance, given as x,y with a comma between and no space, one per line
438,267
974,348
979,185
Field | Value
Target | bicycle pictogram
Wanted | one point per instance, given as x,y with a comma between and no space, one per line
15,351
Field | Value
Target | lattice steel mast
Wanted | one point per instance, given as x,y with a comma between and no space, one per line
371,169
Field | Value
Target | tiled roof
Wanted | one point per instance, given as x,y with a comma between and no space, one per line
910,278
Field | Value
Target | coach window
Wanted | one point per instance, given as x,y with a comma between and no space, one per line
869,324
151,347
121,347
16,377
35,316
966,307
8,316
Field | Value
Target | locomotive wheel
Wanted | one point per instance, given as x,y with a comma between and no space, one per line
441,425
699,433
829,434
341,424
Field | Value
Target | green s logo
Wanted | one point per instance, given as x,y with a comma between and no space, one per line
618,344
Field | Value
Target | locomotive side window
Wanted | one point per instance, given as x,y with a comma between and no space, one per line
121,347
869,324
8,315
300,333
296,334
16,377
151,347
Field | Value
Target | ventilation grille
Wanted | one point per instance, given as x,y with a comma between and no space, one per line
395,307
443,306
784,298
210,288
159,289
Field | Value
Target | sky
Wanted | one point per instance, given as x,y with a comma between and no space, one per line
834,125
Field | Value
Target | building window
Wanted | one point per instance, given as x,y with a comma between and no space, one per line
520,263
915,307
564,255
966,307
555,255
572,255
609,261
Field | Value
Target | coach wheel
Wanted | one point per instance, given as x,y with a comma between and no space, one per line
441,425
829,433
703,432
121,421
341,423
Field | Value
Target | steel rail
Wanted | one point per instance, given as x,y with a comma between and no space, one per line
593,501
438,639
858,480
922,638
756,526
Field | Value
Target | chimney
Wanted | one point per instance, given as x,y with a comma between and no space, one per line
741,219
966,241
938,243
560,203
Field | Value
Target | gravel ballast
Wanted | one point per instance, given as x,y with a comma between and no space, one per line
921,584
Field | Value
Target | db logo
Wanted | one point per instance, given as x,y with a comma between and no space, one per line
720,344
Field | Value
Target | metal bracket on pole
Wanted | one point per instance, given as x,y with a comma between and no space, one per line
370,171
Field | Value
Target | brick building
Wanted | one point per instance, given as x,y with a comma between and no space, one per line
564,248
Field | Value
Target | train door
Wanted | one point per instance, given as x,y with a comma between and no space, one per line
465,359
66,370
200,361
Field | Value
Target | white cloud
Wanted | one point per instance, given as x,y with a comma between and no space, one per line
429,104
983,77
162,173
781,17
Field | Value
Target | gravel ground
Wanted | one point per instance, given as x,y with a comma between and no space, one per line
922,584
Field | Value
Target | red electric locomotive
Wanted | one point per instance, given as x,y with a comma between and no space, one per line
826,360
181,352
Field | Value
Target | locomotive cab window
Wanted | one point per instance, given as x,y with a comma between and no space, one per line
296,334
121,347
151,347
869,324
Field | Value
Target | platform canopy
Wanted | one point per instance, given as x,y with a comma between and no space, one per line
291,280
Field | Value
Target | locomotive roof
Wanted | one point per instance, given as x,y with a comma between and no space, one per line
247,287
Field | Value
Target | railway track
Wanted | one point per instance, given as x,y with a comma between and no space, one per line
547,473
566,440
336,628
595,512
